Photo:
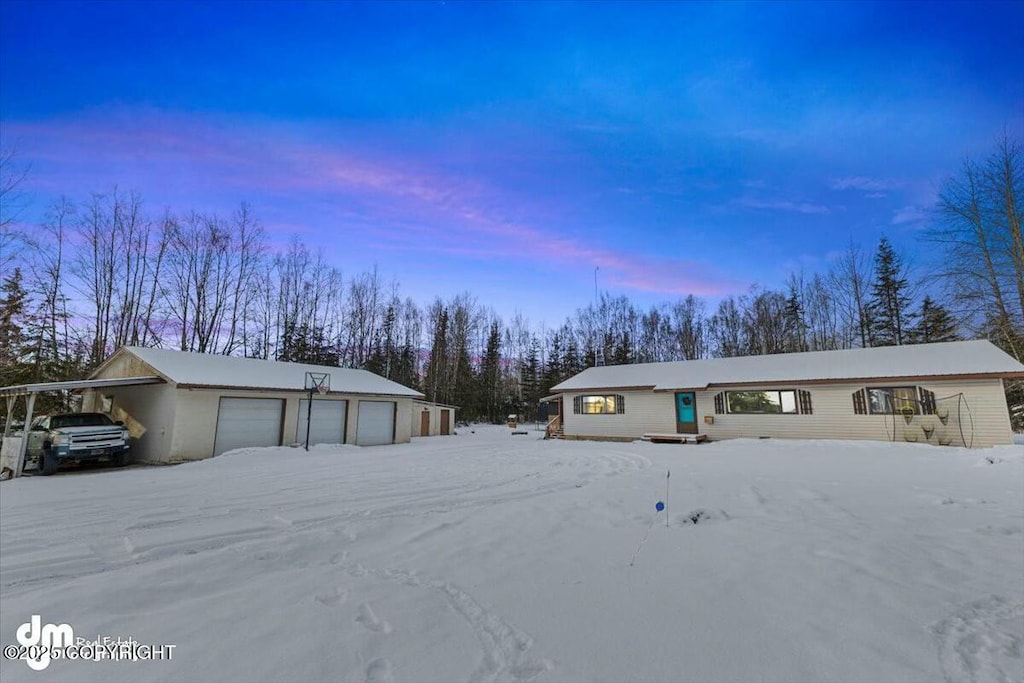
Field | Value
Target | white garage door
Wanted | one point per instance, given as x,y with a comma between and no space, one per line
244,422
326,423
376,423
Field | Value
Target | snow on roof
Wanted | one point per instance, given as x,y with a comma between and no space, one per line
978,357
207,370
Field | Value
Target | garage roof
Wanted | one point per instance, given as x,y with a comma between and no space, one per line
25,389
206,370
966,358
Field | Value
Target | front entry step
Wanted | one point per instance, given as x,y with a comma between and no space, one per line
675,438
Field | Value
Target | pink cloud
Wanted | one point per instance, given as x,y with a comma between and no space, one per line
396,201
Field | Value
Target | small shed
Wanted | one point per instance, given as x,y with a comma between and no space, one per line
432,419
206,404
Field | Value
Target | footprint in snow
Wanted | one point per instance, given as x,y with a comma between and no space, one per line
982,641
379,671
332,598
368,618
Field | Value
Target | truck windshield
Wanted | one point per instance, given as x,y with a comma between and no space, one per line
80,420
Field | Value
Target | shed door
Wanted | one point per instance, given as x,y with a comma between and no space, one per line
327,421
245,422
446,422
425,423
376,423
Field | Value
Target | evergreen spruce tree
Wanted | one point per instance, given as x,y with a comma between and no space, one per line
572,361
623,353
14,368
553,368
490,398
794,325
934,324
405,372
435,380
589,358
890,300
529,380
463,387
383,358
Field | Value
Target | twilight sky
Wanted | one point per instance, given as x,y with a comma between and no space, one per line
509,149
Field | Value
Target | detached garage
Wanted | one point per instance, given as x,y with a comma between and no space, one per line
208,405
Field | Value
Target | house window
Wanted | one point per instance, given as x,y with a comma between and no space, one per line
892,400
889,400
757,402
771,402
607,404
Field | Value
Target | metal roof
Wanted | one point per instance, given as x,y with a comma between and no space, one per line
979,358
26,389
204,370
435,404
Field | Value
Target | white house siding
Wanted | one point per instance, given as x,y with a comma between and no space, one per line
834,418
833,415
645,411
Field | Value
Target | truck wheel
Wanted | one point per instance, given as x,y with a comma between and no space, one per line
122,459
50,463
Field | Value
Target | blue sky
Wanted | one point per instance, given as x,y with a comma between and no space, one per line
509,149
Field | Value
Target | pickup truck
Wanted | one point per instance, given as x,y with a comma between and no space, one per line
76,437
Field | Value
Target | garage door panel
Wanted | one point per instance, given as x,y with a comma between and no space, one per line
248,422
376,423
327,421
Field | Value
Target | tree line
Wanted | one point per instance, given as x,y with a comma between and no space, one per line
101,273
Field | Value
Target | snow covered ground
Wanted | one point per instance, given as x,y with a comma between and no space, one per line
491,557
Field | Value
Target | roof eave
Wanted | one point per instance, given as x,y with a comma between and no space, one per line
294,390
851,380
575,390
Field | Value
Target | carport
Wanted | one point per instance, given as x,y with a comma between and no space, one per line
30,391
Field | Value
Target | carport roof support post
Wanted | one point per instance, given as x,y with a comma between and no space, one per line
30,404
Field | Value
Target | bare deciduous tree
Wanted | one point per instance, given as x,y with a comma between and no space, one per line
849,281
12,204
980,235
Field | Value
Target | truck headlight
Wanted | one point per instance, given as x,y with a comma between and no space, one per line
125,434
59,439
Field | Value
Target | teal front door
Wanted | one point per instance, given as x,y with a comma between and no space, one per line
686,412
